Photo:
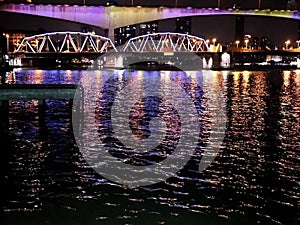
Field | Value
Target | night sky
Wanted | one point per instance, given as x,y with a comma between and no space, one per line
221,27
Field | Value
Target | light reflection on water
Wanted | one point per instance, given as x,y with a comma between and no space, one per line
254,179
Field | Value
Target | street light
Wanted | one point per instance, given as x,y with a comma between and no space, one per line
237,42
207,42
287,44
246,42
219,3
259,4
214,40
7,42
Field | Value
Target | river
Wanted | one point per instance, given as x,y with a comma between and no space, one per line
254,179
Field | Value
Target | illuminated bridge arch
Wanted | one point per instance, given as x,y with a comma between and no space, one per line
162,42
65,42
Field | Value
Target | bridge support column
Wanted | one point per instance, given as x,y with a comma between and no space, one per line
111,34
42,113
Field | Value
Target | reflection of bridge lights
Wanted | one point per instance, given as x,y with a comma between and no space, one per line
298,43
38,76
286,78
237,42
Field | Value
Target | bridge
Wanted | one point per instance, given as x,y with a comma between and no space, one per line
161,42
113,17
81,43
65,42
71,47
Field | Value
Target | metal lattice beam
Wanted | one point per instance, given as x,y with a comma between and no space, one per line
66,42
161,42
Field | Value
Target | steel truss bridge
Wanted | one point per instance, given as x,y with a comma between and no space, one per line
162,42
65,42
87,43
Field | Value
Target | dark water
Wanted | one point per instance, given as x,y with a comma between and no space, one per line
253,180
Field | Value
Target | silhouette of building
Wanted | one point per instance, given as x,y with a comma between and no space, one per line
266,44
255,43
183,25
239,28
11,39
148,28
291,4
122,34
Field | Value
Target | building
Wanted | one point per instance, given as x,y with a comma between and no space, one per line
266,44
255,43
239,28
12,39
122,34
183,25
148,28
292,4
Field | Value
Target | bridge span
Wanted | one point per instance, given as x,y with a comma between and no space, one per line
78,42
112,17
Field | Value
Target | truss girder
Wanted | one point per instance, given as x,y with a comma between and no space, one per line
162,42
66,42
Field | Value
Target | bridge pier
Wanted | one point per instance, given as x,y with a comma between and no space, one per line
39,92
4,116
42,113
111,34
